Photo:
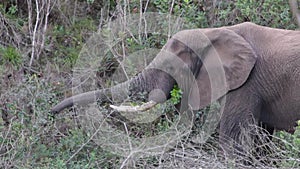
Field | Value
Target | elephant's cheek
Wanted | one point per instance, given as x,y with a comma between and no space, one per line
157,96
194,98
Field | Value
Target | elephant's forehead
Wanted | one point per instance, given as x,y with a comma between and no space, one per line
195,39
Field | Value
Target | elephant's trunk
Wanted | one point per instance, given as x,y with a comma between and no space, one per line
81,99
144,82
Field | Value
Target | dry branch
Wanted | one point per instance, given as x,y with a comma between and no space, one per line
38,28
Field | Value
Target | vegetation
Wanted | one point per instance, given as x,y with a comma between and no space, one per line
40,44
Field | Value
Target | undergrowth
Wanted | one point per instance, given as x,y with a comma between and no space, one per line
30,137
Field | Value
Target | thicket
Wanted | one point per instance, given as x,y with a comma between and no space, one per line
40,42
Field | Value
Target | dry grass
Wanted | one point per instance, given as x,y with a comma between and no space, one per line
29,137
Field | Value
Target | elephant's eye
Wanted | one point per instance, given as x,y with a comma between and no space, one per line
168,68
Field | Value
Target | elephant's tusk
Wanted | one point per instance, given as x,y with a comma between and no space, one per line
129,109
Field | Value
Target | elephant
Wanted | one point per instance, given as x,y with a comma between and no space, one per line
256,68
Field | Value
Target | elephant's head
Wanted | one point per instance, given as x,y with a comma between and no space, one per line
205,63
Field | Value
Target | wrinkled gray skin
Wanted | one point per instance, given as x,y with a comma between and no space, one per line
262,73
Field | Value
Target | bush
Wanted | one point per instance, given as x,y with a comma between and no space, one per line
31,138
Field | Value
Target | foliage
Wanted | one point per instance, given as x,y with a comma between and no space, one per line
292,144
90,1
274,13
176,95
12,10
32,138
188,9
68,41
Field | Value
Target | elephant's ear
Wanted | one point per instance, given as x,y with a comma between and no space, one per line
227,64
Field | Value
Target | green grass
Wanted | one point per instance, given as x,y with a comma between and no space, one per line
10,55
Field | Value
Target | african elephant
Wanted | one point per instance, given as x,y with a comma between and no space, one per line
256,68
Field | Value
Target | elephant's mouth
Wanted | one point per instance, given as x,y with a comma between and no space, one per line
292,129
